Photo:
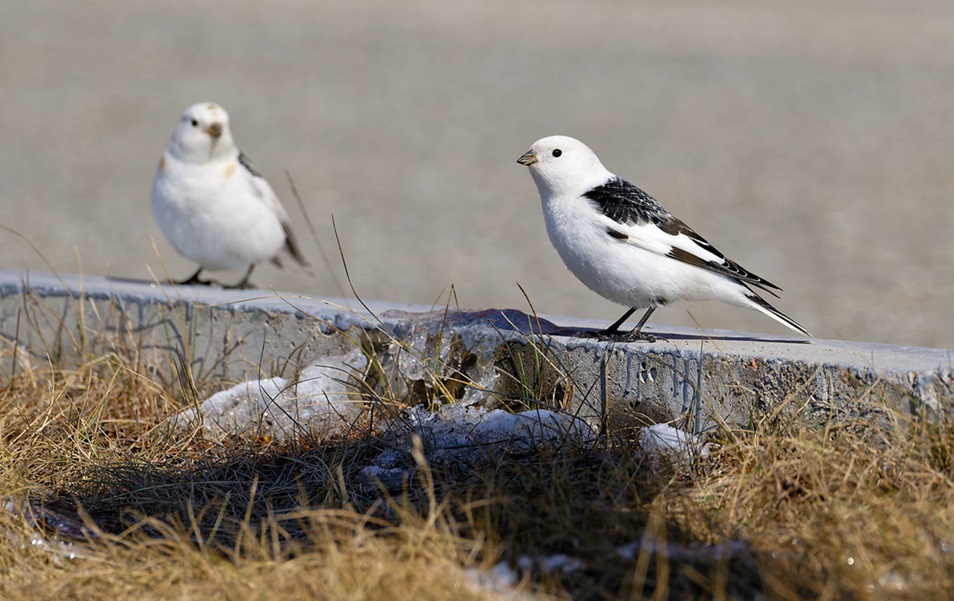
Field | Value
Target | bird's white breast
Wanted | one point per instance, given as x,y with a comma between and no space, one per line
212,214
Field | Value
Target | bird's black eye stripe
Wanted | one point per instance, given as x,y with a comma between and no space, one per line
557,152
195,123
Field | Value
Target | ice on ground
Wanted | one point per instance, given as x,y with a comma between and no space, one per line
322,401
326,400
664,441
434,357
50,530
686,551
550,564
458,425
522,432
501,580
461,434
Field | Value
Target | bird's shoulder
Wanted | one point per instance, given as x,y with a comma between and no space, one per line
247,164
261,188
626,203
629,205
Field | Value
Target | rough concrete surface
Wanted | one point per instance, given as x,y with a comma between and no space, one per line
489,357
809,141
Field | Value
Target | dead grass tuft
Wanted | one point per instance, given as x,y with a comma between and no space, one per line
792,509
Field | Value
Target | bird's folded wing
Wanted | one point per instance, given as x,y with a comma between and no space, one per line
262,188
267,195
678,241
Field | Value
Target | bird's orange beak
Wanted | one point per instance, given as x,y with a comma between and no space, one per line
215,130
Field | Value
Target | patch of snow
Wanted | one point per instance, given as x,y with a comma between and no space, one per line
501,580
664,441
457,425
498,579
550,564
323,400
522,432
326,400
460,434
687,551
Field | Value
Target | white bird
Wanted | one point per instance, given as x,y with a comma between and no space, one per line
621,243
211,203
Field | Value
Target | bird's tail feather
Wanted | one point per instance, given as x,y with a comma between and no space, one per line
291,245
762,305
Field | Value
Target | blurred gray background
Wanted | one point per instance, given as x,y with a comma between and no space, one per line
810,141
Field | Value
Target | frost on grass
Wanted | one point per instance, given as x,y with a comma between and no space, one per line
323,400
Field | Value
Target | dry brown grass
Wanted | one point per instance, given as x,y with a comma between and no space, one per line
794,509
849,508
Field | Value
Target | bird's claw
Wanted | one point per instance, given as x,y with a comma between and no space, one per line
614,336
194,281
636,337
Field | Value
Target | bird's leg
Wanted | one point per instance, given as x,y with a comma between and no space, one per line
193,280
614,329
636,333
633,335
244,284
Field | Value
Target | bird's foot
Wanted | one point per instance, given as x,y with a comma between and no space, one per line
193,281
635,337
243,285
597,334
615,336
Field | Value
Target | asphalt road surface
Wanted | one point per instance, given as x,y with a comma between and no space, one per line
810,143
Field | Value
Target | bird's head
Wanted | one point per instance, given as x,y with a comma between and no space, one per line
563,165
202,134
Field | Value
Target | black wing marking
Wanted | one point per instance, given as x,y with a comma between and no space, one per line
625,203
246,162
291,244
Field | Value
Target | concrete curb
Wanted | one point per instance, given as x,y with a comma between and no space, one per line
708,377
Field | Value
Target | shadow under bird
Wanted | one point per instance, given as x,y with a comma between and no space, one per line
211,203
623,245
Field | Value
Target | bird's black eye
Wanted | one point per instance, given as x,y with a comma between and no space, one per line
195,123
557,153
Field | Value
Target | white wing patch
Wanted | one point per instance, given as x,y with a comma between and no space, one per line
683,247
648,236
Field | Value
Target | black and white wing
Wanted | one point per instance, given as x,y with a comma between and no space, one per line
268,196
638,219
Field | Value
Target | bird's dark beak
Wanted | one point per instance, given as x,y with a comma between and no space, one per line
215,130
528,158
